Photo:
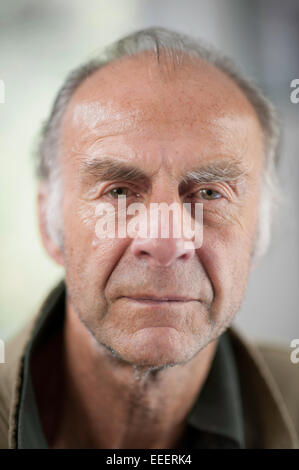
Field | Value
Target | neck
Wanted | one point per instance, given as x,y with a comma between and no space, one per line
111,404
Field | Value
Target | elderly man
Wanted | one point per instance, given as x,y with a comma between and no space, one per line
134,348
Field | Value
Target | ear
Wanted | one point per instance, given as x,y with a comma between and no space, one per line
51,247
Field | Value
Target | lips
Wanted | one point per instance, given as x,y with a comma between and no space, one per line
157,299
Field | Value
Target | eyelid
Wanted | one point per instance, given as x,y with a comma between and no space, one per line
228,189
223,188
115,186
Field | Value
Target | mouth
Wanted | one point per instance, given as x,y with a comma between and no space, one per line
160,300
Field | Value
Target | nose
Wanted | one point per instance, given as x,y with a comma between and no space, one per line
161,251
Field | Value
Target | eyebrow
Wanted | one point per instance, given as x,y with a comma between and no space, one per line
228,170
111,168
107,168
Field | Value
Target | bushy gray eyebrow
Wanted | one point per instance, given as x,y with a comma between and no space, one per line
107,168
110,169
218,170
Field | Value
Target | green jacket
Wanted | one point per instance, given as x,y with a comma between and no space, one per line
269,384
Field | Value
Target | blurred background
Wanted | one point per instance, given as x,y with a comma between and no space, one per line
40,41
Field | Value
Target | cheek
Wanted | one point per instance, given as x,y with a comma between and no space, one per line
225,254
89,260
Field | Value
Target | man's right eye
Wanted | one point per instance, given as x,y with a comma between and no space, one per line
119,191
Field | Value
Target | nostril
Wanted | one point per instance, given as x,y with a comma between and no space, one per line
143,252
186,256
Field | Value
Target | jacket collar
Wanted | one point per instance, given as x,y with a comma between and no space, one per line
267,422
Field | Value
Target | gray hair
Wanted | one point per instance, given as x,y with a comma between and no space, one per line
174,46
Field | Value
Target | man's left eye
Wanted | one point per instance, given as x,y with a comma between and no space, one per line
208,194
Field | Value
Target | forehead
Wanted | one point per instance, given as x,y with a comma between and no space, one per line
144,101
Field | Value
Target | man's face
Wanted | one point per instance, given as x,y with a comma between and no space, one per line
164,126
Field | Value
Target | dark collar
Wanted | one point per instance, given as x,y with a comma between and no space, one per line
218,409
215,421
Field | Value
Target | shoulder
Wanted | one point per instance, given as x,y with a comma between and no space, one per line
285,374
268,384
10,379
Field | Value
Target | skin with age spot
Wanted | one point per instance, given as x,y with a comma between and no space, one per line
132,368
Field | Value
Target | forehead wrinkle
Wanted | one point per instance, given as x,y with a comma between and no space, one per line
117,86
127,115
126,109
94,114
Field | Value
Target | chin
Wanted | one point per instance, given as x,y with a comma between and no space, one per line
157,347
